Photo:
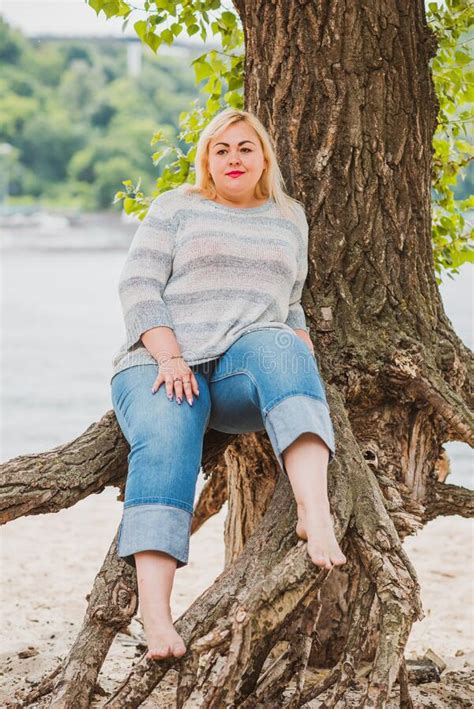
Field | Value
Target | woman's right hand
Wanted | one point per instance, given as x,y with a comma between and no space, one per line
178,378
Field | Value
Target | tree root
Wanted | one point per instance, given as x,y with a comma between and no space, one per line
444,500
266,590
214,603
398,594
345,671
285,671
410,371
389,569
57,479
211,498
252,600
112,603
262,610
405,699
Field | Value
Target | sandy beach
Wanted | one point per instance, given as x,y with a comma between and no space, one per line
49,563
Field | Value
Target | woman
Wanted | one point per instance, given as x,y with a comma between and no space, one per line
211,292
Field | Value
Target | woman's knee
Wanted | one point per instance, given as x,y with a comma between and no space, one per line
281,360
274,352
146,418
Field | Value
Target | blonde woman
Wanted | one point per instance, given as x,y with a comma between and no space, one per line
216,338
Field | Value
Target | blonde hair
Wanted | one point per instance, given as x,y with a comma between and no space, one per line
270,184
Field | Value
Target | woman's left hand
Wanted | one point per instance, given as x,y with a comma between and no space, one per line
303,335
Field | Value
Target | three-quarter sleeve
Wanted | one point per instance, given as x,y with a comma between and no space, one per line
146,271
296,318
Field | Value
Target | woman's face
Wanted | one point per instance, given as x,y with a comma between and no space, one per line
236,150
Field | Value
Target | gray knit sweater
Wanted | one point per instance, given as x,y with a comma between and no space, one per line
210,272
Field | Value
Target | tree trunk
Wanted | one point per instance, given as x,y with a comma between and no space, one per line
346,93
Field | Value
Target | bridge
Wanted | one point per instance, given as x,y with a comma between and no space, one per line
135,47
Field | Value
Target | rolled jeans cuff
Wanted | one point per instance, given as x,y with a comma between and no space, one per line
154,527
295,415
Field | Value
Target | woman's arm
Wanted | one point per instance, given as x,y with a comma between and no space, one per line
161,343
144,276
304,335
296,317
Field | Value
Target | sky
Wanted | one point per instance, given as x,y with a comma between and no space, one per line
71,18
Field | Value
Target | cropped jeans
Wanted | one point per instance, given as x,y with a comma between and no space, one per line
266,380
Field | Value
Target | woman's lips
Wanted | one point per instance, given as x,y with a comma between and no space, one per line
234,174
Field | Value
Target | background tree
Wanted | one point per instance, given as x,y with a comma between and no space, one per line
347,94
67,108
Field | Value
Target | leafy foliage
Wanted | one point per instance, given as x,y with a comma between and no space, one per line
453,76
78,123
222,73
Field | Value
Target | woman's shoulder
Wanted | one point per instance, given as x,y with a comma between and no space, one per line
171,200
297,214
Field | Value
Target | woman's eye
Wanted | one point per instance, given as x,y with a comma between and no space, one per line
223,150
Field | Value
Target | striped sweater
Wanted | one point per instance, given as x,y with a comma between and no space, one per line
211,272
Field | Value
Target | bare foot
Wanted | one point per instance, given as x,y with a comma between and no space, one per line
162,638
315,526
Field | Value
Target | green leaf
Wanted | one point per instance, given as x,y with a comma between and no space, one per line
96,5
202,70
140,28
167,36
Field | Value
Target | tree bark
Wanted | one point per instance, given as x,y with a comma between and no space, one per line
346,93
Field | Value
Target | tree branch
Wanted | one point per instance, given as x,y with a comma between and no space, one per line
58,479
409,371
444,500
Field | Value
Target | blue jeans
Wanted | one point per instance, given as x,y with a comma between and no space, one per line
267,380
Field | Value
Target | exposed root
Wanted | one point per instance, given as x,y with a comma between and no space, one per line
211,498
300,643
344,672
398,594
389,570
112,603
263,609
405,699
447,500
214,613
45,687
284,675
410,371
57,479
270,587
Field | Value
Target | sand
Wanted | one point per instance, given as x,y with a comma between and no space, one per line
49,563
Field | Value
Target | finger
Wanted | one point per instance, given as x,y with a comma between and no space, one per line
156,384
178,387
194,384
169,387
188,391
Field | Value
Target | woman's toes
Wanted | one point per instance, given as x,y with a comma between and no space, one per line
319,558
179,649
159,652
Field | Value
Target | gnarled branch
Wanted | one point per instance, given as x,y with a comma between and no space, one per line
444,499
